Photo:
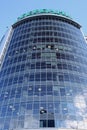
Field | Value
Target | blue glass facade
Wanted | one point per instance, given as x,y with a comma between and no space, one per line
43,79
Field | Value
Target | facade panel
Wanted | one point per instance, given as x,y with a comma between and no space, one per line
43,82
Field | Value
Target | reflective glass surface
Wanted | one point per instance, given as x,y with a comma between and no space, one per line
43,80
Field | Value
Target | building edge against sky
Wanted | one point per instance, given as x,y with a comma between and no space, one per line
43,77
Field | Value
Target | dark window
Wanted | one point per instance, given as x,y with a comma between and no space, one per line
15,60
17,68
58,55
24,57
54,76
61,78
51,123
32,66
47,123
22,67
10,81
19,58
63,56
43,76
32,77
37,77
20,79
36,55
48,65
43,65
59,66
49,76
15,80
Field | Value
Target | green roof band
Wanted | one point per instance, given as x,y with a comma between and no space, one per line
34,12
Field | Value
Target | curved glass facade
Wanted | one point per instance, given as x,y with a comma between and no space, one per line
43,79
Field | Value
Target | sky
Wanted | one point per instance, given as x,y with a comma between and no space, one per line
11,9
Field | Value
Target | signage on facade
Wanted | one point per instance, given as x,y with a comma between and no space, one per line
34,12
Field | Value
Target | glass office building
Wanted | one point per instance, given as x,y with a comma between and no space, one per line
43,77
